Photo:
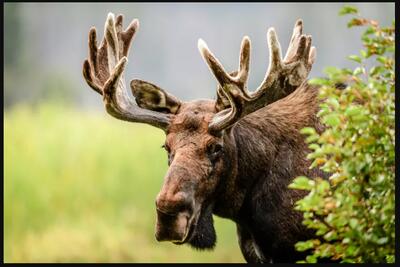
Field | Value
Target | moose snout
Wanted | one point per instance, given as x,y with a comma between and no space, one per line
173,214
173,203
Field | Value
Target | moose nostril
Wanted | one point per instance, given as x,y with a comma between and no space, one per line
173,204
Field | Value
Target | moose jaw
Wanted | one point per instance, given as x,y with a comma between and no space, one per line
233,156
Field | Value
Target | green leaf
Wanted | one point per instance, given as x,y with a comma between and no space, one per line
332,119
311,259
331,235
369,30
353,223
357,71
390,258
314,146
350,251
304,245
302,183
322,231
348,10
312,138
357,22
381,59
376,70
363,53
353,111
333,102
323,186
355,58
352,23
308,131
360,118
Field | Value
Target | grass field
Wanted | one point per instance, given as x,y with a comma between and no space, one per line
80,187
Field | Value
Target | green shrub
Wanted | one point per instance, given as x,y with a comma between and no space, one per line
353,213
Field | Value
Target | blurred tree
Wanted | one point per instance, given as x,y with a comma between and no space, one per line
58,87
12,33
27,78
12,48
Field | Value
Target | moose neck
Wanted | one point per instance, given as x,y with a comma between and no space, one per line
266,152
249,150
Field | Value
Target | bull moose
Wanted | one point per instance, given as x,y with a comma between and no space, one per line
234,156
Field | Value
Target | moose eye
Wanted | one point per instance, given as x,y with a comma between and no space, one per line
213,150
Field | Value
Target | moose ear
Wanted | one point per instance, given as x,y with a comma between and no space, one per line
150,96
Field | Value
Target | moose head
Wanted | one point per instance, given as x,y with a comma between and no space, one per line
200,137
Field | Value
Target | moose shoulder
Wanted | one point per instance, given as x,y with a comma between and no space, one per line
234,156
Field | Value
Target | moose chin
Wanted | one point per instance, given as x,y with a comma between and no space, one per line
232,157
198,231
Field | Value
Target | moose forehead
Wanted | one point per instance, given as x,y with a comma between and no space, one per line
190,124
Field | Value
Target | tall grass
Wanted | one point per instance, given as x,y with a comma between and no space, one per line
80,187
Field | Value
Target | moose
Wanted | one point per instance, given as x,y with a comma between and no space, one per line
232,157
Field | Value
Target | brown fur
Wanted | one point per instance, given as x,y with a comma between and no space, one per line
248,182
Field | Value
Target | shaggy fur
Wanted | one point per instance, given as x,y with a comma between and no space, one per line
248,181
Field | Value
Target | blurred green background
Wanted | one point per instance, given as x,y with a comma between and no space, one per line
80,185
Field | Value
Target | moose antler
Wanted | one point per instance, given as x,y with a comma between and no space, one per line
103,72
281,79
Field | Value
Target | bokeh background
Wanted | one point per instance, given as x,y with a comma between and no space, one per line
79,185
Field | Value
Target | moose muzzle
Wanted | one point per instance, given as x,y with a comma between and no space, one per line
172,227
174,211
175,203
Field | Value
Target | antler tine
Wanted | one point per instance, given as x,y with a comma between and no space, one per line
104,69
275,62
90,65
297,32
215,66
294,51
218,70
238,77
281,79
244,64
234,85
110,34
292,71
236,92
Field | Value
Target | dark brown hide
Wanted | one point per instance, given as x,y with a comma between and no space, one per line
247,181
270,137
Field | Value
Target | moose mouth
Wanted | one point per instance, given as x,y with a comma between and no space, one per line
188,235
190,230
177,228
197,230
